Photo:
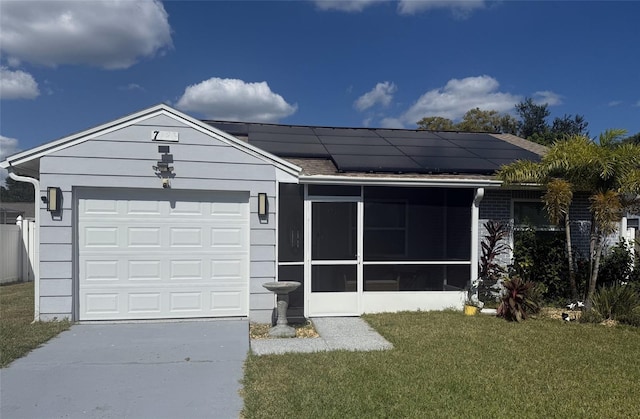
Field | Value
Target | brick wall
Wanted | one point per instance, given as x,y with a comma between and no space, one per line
496,205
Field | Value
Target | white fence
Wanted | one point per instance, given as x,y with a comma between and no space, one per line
16,249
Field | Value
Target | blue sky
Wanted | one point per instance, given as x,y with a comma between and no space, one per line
67,65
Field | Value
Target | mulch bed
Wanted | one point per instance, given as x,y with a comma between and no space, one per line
303,331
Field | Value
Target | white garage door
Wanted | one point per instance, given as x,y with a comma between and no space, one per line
152,254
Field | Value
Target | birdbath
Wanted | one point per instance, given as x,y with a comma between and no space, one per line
282,290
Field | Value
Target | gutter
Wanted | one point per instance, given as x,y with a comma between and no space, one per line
392,181
36,238
475,219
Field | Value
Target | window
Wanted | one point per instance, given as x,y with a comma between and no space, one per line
531,214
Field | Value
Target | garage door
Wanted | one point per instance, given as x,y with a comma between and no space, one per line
153,254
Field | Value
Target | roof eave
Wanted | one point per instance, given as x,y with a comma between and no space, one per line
394,181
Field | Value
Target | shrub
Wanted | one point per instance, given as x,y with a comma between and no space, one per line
615,301
616,266
490,270
632,319
517,303
590,316
540,256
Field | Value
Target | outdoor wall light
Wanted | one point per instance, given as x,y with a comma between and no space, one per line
163,167
54,199
262,204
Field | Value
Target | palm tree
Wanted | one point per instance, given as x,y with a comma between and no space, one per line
608,171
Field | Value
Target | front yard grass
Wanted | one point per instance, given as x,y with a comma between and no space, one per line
447,365
18,335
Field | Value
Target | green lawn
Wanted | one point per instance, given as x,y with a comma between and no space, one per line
448,365
18,335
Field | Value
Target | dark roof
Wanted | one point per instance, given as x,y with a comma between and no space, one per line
382,150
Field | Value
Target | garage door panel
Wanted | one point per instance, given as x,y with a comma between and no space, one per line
99,237
186,269
101,270
143,237
228,237
186,208
144,302
160,254
185,237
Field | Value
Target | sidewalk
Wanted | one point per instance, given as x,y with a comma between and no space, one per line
336,333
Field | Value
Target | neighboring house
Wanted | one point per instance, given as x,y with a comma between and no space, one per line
160,215
9,211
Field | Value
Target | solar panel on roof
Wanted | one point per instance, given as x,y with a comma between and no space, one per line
327,139
455,164
493,144
361,150
436,151
345,132
375,163
292,150
230,127
284,138
473,136
419,142
384,150
389,133
281,129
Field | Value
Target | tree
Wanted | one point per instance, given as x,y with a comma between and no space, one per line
477,120
569,126
534,126
436,123
15,191
533,118
557,201
634,139
608,171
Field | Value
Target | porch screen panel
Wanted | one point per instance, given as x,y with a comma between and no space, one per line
417,224
334,231
333,278
291,223
404,277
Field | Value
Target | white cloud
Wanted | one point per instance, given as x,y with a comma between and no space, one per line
457,97
235,100
345,5
17,84
109,34
637,104
381,94
460,8
391,123
8,146
131,86
548,97
614,103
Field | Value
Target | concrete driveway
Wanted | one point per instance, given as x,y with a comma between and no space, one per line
133,370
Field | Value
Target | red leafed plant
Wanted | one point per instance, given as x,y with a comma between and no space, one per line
516,302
